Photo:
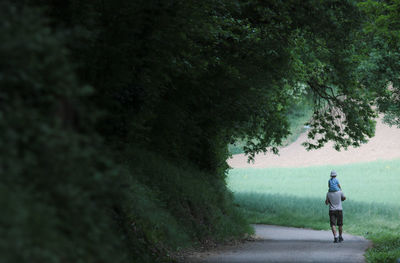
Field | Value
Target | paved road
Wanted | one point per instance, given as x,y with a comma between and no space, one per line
287,244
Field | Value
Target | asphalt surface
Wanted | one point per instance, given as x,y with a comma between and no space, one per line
287,244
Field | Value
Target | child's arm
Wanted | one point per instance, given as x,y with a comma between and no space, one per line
339,186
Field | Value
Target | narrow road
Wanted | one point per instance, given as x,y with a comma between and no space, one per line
287,244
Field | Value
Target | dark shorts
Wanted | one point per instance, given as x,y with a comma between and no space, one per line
336,217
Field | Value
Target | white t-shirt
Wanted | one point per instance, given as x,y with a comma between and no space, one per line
335,200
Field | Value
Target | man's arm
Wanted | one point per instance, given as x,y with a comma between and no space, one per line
343,197
327,200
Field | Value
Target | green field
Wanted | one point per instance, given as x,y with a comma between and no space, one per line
295,197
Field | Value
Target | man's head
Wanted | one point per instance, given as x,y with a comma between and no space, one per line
333,174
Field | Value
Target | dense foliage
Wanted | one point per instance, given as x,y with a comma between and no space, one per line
382,50
115,115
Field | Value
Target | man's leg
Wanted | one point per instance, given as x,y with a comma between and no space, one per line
334,230
340,233
340,225
333,219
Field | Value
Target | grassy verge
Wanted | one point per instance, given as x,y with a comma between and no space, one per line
176,207
295,197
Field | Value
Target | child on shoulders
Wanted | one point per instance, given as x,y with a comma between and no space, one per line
333,183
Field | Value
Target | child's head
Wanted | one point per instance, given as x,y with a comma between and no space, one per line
333,174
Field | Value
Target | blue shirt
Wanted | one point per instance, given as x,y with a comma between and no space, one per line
333,184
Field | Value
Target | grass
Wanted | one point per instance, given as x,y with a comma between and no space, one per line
295,197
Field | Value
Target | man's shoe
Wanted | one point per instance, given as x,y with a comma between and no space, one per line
335,240
340,239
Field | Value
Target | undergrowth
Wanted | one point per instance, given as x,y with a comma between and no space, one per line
178,207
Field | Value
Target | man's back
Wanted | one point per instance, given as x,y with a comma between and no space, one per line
335,200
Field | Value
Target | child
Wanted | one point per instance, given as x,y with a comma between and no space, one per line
333,183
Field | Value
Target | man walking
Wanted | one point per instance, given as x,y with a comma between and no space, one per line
334,200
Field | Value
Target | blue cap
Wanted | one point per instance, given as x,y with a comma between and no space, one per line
333,173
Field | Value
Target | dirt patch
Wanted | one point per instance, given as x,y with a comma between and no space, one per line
385,145
201,252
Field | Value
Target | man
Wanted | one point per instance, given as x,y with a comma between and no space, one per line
334,199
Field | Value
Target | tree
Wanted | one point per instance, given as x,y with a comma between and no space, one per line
86,83
380,67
